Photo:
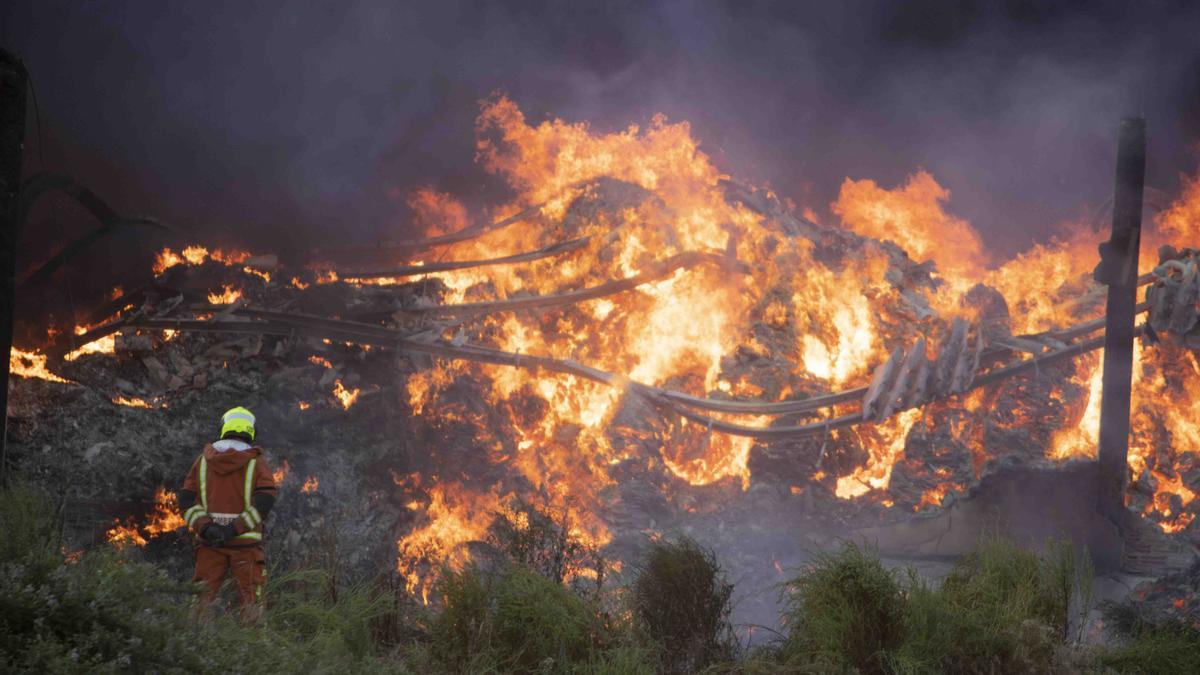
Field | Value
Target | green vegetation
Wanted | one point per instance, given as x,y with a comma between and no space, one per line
681,601
1001,609
1150,645
845,611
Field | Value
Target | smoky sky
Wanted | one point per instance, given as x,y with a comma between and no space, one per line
290,125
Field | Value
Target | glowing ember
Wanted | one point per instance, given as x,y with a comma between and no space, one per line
320,361
265,276
347,397
303,405
310,485
282,472
132,402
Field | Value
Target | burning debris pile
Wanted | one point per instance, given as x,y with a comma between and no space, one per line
637,342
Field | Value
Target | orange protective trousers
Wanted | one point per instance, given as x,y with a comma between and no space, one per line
248,565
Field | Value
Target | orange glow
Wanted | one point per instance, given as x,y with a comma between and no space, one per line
453,517
913,218
437,213
196,255
30,364
934,495
164,517
282,472
319,361
132,402
304,405
104,345
886,445
125,534
310,485
347,397
227,296
265,276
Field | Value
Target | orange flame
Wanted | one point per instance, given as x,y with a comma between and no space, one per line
30,364
281,473
164,517
227,296
347,397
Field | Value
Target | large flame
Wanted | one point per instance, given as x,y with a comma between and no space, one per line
764,297
682,331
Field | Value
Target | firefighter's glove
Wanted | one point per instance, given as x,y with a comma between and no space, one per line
213,534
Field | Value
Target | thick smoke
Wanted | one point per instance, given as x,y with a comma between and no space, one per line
289,126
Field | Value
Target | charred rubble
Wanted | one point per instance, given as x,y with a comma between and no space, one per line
325,358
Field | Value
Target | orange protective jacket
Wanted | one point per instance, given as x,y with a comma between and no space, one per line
224,484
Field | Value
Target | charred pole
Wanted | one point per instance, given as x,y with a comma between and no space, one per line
1118,269
13,80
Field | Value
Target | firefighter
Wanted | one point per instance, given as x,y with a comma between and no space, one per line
225,498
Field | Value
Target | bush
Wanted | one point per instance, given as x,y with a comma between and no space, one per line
536,539
844,611
515,620
29,523
680,599
1002,608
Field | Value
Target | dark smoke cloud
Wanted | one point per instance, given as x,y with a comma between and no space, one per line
278,124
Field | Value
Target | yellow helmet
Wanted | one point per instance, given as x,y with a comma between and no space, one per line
238,421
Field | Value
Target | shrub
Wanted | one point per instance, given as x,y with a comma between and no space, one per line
538,539
681,600
515,620
1001,609
29,523
844,611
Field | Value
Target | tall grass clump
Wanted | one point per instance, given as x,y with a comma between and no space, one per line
1003,608
681,600
845,612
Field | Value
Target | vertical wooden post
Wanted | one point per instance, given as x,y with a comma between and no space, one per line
1118,268
13,80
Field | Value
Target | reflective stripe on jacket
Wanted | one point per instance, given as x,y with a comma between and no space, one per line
224,483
